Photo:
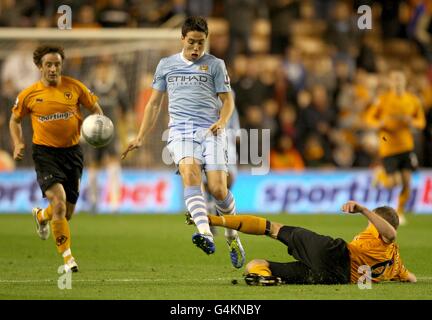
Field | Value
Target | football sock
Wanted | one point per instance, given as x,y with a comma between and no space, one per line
244,223
196,206
261,270
67,255
61,233
45,214
403,199
227,207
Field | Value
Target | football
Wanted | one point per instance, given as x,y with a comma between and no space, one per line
97,130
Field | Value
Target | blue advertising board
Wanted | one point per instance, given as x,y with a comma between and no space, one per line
291,192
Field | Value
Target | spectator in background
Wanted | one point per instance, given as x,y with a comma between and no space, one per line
324,9
317,119
107,81
202,8
343,156
114,14
86,18
420,27
281,14
249,88
240,15
284,156
11,14
366,58
146,13
322,74
315,153
390,24
18,72
294,69
270,113
342,29
287,122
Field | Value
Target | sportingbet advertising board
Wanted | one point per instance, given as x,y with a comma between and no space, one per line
162,192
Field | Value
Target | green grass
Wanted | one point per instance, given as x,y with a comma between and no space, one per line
152,257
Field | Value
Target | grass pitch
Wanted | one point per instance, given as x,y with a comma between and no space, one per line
152,257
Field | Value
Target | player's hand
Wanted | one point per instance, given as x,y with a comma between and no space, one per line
352,207
18,153
134,144
216,127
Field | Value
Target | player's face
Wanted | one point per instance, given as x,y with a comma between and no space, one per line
193,45
397,81
51,68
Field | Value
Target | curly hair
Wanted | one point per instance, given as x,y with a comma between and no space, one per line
45,49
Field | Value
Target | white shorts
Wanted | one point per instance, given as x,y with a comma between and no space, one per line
210,150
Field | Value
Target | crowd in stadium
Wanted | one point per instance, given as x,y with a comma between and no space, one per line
300,68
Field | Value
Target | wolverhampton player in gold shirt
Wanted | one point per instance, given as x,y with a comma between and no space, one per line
322,259
395,115
53,104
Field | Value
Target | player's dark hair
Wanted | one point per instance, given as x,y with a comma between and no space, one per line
194,24
388,214
45,49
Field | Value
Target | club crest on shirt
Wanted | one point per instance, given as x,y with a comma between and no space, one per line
203,67
68,95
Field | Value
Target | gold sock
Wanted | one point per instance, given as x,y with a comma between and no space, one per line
260,269
61,233
243,223
45,214
403,199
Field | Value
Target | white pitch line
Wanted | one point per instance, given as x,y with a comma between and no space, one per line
132,280
109,280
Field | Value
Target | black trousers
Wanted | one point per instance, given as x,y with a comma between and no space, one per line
320,259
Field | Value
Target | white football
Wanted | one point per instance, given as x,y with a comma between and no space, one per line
97,130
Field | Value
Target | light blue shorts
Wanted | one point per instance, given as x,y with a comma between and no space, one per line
210,150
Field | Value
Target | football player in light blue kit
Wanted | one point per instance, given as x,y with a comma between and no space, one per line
200,104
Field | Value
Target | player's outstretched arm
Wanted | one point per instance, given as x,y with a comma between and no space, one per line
96,109
385,229
17,137
150,115
411,277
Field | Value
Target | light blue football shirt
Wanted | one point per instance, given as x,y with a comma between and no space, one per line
192,90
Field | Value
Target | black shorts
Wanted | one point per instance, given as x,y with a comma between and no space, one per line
398,162
320,259
59,165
